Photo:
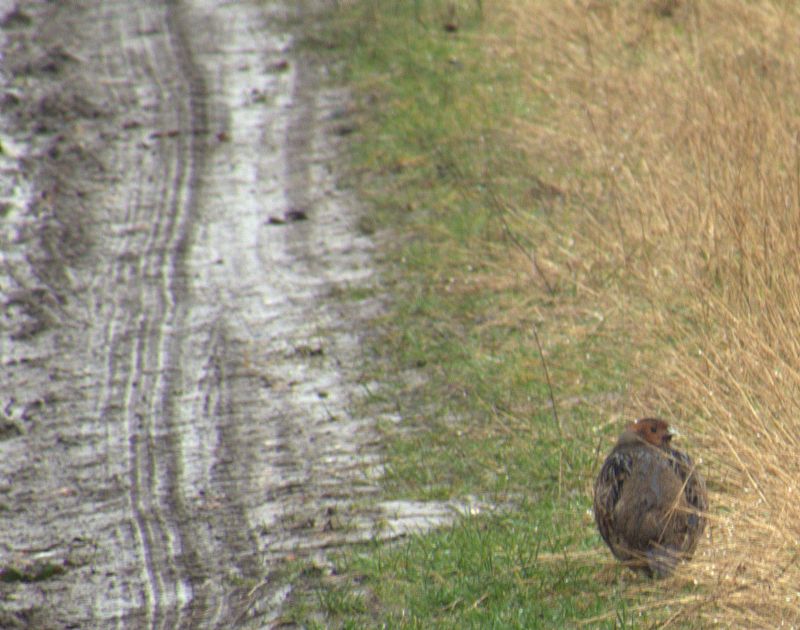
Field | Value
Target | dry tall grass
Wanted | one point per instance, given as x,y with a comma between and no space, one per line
682,122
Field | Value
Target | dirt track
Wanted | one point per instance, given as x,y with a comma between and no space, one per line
177,371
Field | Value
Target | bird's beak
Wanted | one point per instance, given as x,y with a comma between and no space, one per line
673,432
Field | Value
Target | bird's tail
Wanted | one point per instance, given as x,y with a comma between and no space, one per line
661,561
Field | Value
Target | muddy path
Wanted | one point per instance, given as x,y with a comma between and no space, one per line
178,366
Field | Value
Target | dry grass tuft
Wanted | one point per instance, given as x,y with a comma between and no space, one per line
672,131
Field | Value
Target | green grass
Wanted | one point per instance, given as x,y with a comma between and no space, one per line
39,573
432,165
501,570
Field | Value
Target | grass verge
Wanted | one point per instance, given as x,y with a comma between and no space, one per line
594,215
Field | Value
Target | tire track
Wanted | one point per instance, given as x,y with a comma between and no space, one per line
139,302
152,311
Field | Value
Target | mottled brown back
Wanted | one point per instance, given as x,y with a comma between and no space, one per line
649,504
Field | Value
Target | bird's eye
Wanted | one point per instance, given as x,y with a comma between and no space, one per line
653,429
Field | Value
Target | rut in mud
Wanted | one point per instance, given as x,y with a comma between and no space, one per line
177,371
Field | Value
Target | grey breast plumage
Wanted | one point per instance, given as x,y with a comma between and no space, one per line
649,504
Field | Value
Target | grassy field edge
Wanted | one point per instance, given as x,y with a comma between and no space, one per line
592,212
508,380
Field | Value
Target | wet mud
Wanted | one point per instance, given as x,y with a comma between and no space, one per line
178,367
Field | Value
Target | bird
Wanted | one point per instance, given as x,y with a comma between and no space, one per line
650,502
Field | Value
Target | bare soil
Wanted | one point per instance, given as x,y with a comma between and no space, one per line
178,364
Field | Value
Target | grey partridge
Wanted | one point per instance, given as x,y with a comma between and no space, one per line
649,501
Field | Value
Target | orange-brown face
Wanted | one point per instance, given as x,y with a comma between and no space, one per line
652,430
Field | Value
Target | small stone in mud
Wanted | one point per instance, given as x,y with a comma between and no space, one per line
52,62
280,66
9,429
16,18
309,351
367,225
167,133
296,214
291,216
41,128
9,100
345,129
257,96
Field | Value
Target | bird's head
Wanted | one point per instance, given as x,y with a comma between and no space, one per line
653,431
